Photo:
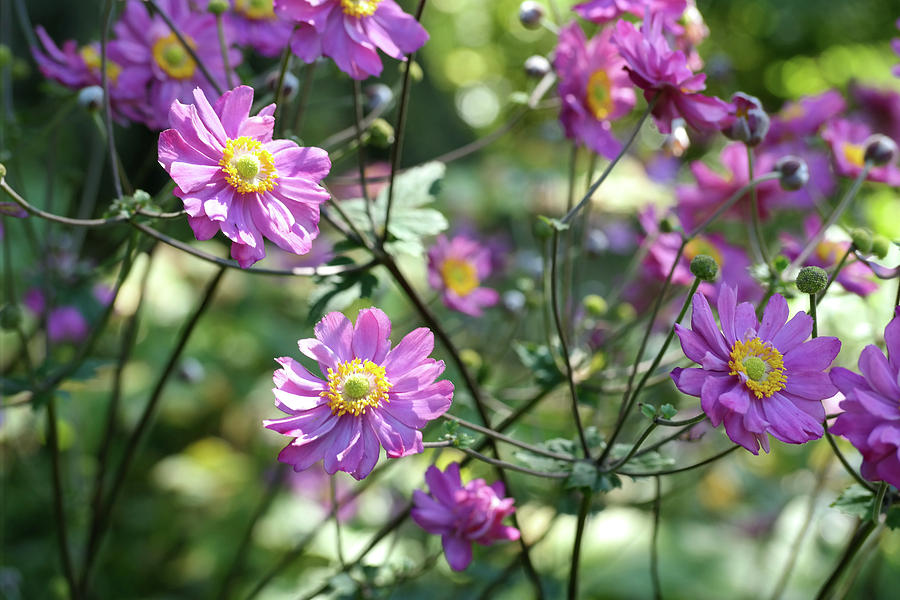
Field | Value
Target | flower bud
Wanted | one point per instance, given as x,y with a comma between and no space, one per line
781,262
530,14
381,134
677,142
595,305
751,123
2,170
542,229
415,70
537,66
377,95
862,239
794,172
812,280
289,86
10,317
513,301
704,267
880,246
91,97
217,7
668,225
880,150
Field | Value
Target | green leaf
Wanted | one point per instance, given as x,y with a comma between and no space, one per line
668,411
584,475
856,501
648,410
554,223
540,361
893,517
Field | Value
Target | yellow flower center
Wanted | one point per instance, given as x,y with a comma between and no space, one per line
359,8
459,275
91,59
762,363
828,251
854,153
173,58
599,94
700,245
255,9
248,167
356,386
794,111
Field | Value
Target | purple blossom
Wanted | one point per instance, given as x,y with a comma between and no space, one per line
351,31
147,44
663,73
804,117
594,88
757,378
256,25
462,514
854,276
871,417
232,176
66,324
847,140
895,44
372,395
604,11
456,268
880,109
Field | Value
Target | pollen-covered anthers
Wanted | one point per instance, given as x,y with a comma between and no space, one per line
854,153
356,386
761,363
359,8
92,61
173,58
248,167
255,9
459,275
599,94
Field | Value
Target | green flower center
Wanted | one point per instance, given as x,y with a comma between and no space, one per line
247,166
755,367
357,386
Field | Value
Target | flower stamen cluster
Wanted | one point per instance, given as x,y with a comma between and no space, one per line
761,363
459,275
359,8
255,9
356,386
248,167
173,58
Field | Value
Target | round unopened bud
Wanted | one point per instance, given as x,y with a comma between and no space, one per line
862,239
794,173
537,66
542,229
377,95
10,317
781,262
880,245
751,122
218,7
595,305
289,86
415,70
530,14
812,280
704,267
6,55
2,170
880,150
514,301
668,225
91,97
381,134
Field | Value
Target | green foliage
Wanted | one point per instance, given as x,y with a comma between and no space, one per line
538,359
855,501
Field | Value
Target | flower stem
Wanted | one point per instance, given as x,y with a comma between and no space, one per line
756,236
856,541
303,98
730,201
583,511
843,461
812,313
279,88
361,157
188,47
702,463
107,103
879,501
58,505
654,540
509,440
223,46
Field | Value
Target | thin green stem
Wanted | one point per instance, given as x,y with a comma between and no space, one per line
223,47
756,235
303,98
107,103
856,541
509,440
583,511
702,463
279,88
58,504
691,421
590,192
502,464
812,313
337,522
361,157
654,540
879,502
624,460
730,202
843,461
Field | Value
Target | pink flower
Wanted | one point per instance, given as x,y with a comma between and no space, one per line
593,87
351,31
66,324
895,44
372,395
256,25
456,268
149,45
757,378
854,276
462,514
871,417
663,73
804,117
847,140
604,11
232,176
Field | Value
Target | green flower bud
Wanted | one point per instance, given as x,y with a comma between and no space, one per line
542,229
626,312
880,245
217,7
595,305
862,239
781,262
381,133
10,317
668,225
2,170
812,280
704,267
415,70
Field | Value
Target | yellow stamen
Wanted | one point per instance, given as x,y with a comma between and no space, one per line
459,275
828,251
359,8
599,94
854,153
91,59
792,112
700,245
248,167
173,58
255,9
761,363
355,387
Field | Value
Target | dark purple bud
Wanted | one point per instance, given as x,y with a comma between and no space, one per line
750,122
793,171
530,14
537,66
880,150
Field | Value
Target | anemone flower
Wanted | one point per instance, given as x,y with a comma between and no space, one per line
456,268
